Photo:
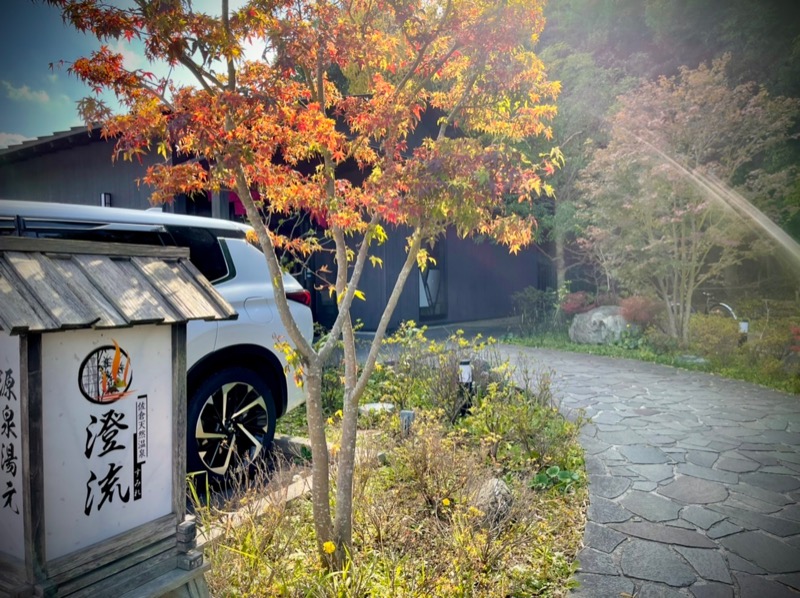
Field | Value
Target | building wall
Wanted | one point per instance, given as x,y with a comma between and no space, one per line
377,283
77,175
480,279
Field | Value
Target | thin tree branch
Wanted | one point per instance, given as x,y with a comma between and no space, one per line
226,24
391,303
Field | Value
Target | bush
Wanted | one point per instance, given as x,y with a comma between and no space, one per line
770,338
425,373
640,310
714,337
537,310
522,432
659,341
761,359
577,303
765,309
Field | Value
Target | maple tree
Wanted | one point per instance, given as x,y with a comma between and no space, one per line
277,128
649,224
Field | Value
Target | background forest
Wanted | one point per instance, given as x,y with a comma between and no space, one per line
604,52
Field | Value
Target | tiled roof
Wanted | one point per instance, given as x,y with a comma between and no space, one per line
49,284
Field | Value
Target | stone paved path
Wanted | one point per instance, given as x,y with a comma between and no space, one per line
694,480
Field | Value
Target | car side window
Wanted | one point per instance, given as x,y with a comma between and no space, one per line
204,250
135,237
98,232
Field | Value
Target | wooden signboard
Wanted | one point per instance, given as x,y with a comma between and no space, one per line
93,419
107,407
12,507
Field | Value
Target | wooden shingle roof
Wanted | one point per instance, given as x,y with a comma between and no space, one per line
49,284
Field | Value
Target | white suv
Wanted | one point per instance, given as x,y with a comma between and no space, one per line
236,381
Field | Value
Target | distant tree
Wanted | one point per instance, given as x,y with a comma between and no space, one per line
255,123
765,41
655,228
588,92
651,38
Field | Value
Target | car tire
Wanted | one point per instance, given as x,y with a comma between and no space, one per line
230,423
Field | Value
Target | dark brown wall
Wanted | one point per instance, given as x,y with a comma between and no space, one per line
377,284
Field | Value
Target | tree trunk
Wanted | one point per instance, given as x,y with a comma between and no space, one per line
320,472
685,329
672,327
354,389
343,518
560,262
312,380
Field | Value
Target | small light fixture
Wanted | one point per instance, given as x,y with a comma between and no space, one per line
406,419
465,377
466,372
105,200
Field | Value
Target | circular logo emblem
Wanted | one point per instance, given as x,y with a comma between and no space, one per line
105,375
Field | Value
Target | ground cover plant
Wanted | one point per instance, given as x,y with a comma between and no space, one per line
488,503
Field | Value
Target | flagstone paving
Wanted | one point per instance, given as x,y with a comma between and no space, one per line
694,480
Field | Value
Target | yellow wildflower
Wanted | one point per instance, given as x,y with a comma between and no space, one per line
329,421
329,547
446,502
339,413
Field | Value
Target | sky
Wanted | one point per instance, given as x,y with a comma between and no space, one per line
36,100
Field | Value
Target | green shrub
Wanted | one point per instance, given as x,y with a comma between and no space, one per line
770,337
537,310
714,337
521,430
631,338
659,341
426,374
766,309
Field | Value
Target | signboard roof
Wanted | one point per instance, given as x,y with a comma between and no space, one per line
52,284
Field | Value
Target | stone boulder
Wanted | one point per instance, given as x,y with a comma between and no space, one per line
600,326
494,500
